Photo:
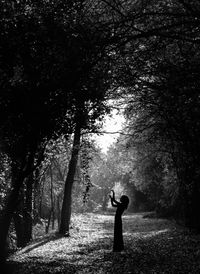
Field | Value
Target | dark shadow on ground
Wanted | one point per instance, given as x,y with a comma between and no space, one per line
167,252
151,246
170,251
40,242
41,267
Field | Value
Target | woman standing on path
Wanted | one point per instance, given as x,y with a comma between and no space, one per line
121,207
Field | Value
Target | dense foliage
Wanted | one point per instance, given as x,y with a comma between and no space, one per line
161,80
59,63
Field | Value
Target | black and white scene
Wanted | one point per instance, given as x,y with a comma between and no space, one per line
100,136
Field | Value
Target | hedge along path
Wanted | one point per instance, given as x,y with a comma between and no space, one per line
151,246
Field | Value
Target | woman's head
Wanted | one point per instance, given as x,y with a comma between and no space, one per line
124,200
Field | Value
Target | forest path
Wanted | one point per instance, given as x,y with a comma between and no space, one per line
152,246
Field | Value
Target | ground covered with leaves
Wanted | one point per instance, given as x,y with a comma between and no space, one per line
151,246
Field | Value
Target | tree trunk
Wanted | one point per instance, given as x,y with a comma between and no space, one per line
23,215
190,193
7,214
67,199
52,197
41,199
18,218
105,200
58,211
19,173
36,198
195,206
28,220
192,214
48,221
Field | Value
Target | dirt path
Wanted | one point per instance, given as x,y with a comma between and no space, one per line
152,246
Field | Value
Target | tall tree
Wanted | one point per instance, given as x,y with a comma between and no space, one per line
50,56
33,102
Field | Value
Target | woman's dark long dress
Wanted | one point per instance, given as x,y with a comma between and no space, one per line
118,236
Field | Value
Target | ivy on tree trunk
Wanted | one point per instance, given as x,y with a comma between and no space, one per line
67,199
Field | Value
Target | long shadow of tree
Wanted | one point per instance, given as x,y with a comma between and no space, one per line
152,246
41,242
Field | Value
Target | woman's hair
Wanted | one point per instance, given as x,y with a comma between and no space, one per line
124,200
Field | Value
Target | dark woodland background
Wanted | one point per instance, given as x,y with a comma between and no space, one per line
64,66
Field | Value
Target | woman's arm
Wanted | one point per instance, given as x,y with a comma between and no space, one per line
114,203
114,198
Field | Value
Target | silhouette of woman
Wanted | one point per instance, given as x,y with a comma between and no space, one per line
121,207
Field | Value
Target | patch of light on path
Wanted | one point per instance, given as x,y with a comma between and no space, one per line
146,234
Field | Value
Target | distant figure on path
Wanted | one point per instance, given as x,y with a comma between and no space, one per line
121,207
